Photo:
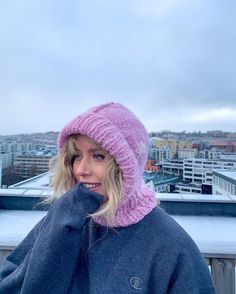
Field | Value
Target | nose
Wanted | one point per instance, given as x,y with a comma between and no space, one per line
82,167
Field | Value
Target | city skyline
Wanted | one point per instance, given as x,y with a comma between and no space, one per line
213,134
173,63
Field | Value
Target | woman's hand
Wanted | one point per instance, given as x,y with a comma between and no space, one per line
74,206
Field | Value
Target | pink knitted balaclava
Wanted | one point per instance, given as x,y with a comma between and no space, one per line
122,134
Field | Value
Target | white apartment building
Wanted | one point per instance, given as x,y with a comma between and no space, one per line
7,159
211,154
188,188
187,153
159,152
173,167
228,156
215,154
199,170
224,182
8,150
30,165
15,147
159,155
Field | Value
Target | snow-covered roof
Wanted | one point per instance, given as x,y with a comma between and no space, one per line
212,234
37,182
16,224
20,192
227,173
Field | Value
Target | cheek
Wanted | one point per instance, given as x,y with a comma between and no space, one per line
101,176
73,169
100,172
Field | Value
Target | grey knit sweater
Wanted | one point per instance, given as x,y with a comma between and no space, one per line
67,252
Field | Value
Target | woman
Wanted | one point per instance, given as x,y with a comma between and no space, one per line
104,232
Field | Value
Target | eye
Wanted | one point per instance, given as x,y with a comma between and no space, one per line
76,157
99,156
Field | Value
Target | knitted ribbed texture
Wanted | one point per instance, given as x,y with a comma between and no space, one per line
122,134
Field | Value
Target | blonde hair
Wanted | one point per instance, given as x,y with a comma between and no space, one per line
62,178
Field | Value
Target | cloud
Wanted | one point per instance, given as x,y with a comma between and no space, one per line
214,115
169,61
189,119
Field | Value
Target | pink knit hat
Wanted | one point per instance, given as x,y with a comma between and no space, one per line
122,134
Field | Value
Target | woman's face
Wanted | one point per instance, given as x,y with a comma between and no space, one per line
89,164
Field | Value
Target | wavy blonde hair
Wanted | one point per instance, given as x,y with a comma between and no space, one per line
62,178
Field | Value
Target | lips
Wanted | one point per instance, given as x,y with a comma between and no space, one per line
91,186
95,188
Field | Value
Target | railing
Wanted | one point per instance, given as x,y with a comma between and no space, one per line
222,268
223,271
4,251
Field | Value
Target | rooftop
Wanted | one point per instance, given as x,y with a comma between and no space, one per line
227,173
37,182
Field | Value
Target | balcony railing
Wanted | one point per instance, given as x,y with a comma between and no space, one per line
222,268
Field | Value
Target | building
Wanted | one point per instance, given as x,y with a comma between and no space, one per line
151,166
228,156
224,146
187,153
173,167
224,182
159,155
184,188
7,159
174,145
199,170
196,173
170,147
215,154
16,147
159,182
10,149
28,166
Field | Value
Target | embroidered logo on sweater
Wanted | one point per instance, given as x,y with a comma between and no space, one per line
136,283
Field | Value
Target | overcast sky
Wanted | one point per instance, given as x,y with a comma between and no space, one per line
172,62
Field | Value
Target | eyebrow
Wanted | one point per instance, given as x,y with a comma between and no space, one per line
96,150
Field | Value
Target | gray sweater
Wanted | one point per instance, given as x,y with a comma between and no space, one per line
67,252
